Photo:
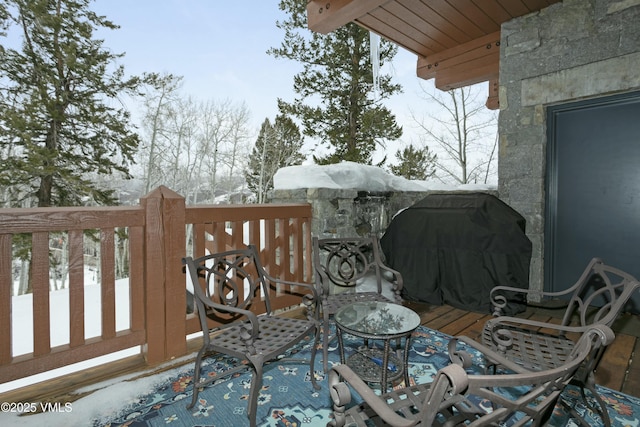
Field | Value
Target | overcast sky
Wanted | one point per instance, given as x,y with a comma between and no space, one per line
219,47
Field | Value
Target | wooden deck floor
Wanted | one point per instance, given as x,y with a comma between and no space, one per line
618,369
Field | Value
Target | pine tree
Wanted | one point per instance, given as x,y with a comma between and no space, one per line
277,146
336,102
61,119
415,163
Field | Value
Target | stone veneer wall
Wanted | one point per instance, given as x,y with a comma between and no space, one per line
577,49
349,212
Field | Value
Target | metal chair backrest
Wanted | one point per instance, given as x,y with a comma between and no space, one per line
231,279
344,262
599,295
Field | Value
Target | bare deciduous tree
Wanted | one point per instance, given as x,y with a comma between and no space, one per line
464,132
158,102
235,148
192,145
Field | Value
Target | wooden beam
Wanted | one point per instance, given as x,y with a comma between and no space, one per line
483,46
324,16
472,72
493,102
473,62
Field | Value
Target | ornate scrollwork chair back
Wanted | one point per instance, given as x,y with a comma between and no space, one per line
598,296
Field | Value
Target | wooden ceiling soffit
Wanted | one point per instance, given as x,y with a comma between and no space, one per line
328,15
466,64
474,61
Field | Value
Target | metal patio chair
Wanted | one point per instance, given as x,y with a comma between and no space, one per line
231,288
351,270
457,397
599,296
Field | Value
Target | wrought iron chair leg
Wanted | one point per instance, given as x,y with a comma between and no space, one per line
602,411
572,412
196,379
312,362
325,345
256,386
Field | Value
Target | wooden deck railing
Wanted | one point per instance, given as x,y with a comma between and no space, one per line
158,231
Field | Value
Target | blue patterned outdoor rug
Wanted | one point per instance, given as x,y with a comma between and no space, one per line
288,399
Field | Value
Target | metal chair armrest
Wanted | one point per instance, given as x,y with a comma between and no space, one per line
310,286
397,276
496,322
490,355
309,299
251,327
450,381
341,396
499,300
322,282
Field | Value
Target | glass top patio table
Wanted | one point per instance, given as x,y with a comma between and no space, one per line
376,320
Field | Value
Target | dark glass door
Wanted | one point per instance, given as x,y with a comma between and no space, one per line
593,188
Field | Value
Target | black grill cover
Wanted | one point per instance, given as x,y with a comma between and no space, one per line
454,248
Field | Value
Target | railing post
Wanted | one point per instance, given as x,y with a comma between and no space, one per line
165,298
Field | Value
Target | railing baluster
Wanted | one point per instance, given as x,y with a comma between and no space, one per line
270,247
6,284
76,288
136,277
220,237
39,223
285,249
254,233
108,283
41,286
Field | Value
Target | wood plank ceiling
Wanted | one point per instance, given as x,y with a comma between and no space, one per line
457,41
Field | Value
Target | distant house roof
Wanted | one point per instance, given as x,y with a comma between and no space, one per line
457,41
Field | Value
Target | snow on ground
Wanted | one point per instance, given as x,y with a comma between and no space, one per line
109,396
106,399
22,320
22,326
